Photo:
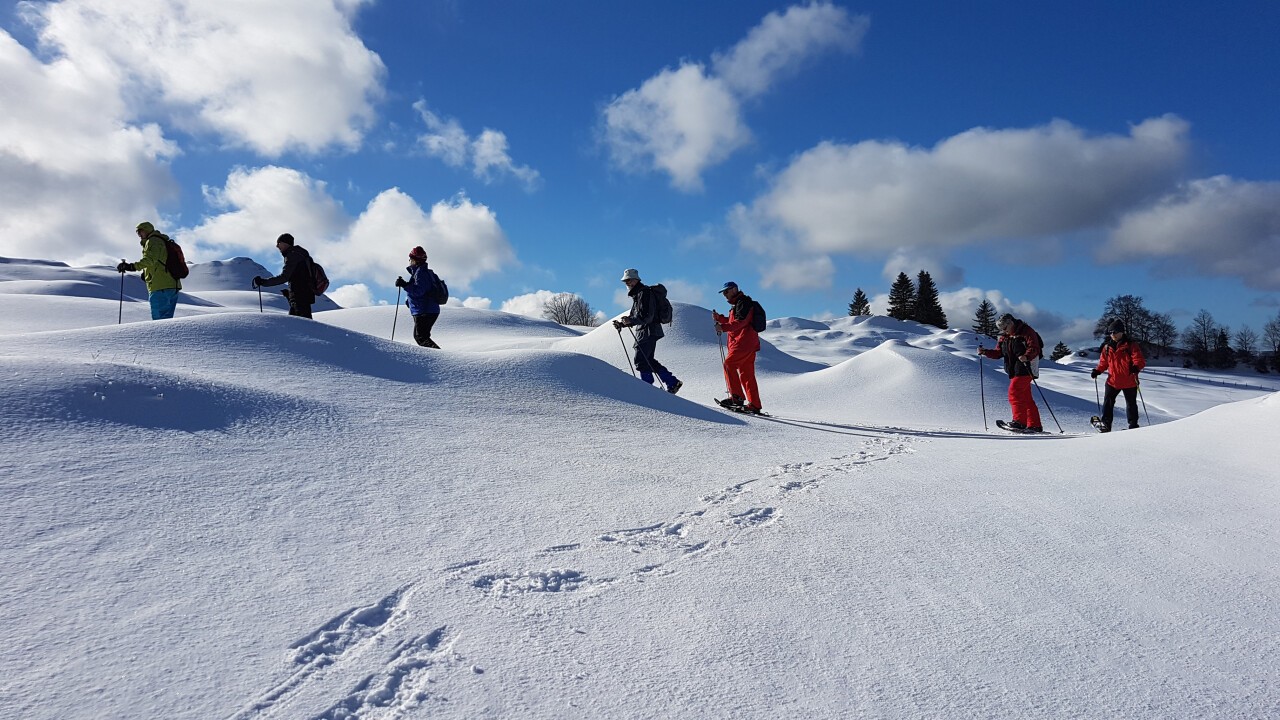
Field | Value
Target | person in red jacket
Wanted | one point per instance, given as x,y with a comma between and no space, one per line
1121,360
1020,347
744,343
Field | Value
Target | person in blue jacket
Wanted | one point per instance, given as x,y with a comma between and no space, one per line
420,291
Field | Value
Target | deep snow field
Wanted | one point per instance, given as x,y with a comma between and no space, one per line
239,514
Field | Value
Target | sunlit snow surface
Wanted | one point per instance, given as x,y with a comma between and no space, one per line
239,514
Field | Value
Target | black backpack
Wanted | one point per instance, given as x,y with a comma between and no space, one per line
665,312
758,318
440,291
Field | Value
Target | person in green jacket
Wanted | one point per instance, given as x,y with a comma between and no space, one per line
162,288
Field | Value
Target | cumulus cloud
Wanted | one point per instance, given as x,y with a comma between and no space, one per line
1217,225
911,260
278,76
487,153
463,239
529,304
983,185
782,42
352,296
685,120
477,303
74,177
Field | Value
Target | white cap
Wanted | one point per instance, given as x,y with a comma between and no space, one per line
630,274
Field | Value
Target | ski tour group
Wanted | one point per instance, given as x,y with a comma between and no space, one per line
1020,347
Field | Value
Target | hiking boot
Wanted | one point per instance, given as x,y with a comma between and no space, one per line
752,409
676,388
1017,425
1034,429
731,402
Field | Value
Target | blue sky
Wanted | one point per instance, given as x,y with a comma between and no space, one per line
1047,156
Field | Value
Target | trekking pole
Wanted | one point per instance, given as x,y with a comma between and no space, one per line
982,390
1047,405
624,352
1144,403
396,317
120,317
260,299
720,338
1097,396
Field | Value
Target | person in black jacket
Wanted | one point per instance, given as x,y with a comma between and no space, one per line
644,317
1020,346
297,272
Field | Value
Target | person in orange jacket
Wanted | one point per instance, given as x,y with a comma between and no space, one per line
744,343
1121,360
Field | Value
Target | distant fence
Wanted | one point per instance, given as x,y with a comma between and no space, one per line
1208,380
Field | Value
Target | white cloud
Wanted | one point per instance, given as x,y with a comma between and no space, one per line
1218,226
781,42
278,76
684,121
529,304
352,296
980,186
258,205
679,122
477,303
75,177
463,239
487,153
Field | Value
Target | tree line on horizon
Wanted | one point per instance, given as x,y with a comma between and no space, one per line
1205,343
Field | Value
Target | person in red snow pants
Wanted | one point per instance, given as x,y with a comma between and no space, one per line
744,343
1020,346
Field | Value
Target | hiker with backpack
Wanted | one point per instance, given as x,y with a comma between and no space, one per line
1121,360
298,272
162,285
644,317
743,326
1020,346
421,296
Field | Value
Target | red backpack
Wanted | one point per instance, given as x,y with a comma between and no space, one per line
175,263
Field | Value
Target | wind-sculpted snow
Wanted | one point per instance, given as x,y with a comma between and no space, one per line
246,515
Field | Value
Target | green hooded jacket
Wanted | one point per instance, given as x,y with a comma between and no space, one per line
154,255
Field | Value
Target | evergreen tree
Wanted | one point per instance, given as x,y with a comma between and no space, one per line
1060,351
860,305
1223,356
902,298
984,322
928,309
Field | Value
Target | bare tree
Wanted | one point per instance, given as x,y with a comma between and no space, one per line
569,309
1246,344
1271,333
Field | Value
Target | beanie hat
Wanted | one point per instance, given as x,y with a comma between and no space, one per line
286,238
418,253
731,285
630,274
146,227
1116,325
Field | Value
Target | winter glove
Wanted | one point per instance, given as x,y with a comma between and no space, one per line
400,283
285,293
125,267
1133,369
618,325
1094,373
257,280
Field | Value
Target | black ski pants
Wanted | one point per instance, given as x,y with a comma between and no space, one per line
1130,405
422,325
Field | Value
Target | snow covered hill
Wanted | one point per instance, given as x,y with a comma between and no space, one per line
239,514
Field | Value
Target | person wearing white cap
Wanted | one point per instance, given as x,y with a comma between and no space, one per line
648,330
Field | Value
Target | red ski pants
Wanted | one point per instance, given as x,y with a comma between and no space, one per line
1021,401
740,375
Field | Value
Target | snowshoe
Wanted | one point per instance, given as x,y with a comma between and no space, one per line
1014,426
731,403
1097,423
